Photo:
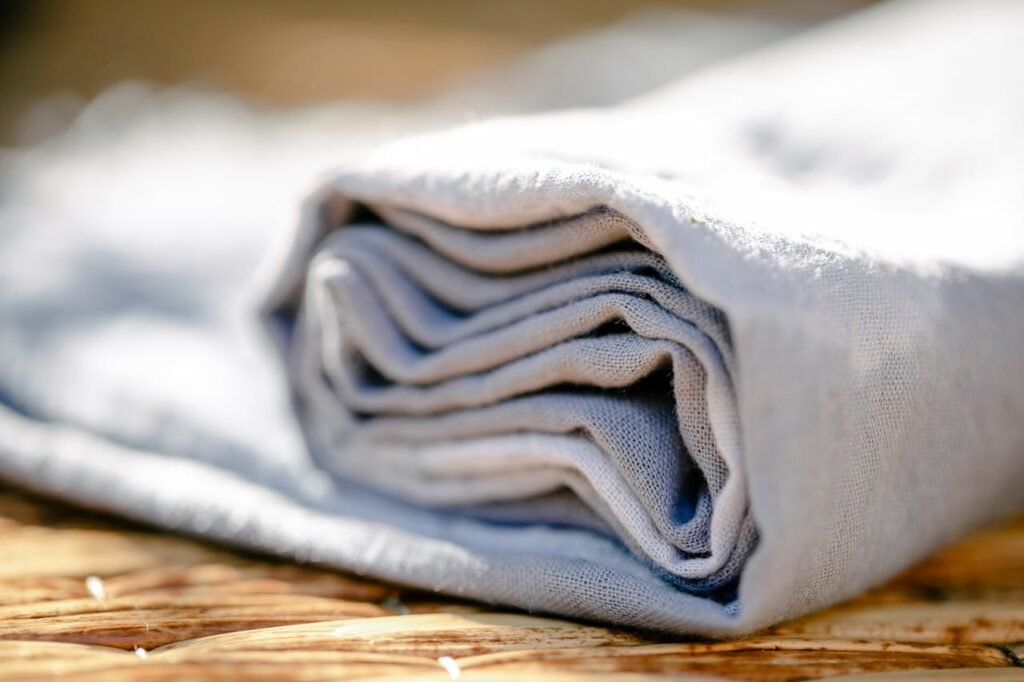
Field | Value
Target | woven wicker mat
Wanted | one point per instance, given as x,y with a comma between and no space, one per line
91,597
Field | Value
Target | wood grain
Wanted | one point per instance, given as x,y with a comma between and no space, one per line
88,597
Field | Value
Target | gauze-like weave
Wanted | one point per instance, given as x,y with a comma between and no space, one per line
699,362
485,318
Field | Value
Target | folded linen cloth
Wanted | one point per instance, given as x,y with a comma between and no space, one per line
472,386
503,312
712,358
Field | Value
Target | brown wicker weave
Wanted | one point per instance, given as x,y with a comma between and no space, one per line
96,598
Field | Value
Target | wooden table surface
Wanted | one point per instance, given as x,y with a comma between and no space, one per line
96,598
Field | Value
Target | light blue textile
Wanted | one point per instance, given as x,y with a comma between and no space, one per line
824,239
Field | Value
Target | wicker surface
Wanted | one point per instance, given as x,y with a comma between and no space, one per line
93,597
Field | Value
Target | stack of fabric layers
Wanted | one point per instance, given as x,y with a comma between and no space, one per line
633,320
497,369
699,362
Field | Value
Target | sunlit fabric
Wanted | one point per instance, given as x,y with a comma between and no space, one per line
699,361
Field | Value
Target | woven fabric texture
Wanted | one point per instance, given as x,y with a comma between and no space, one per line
700,361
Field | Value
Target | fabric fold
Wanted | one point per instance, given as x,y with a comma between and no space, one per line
698,362
514,388
685,337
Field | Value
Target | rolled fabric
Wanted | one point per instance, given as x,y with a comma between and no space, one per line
452,386
763,329
699,362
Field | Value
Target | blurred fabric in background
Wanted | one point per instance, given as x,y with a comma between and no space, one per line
56,55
